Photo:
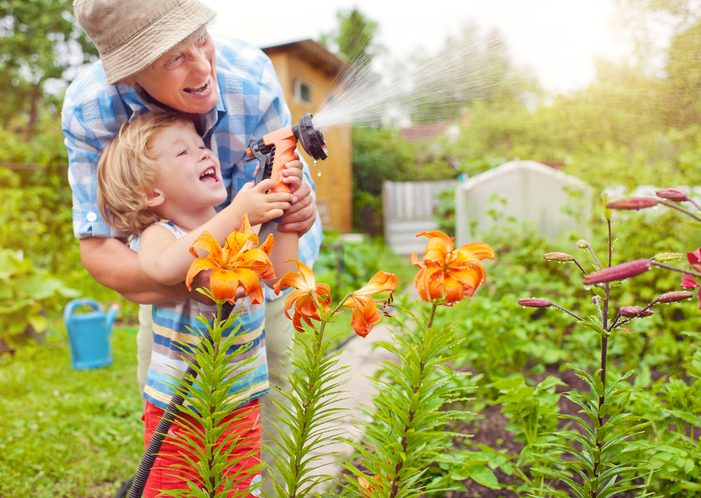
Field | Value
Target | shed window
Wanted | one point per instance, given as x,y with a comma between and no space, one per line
302,91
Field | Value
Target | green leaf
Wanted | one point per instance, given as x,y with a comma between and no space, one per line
483,475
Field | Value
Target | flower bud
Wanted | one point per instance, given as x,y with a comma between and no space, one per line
618,272
535,302
582,244
634,311
560,257
668,256
672,194
633,203
674,296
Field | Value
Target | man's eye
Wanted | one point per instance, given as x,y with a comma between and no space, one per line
173,61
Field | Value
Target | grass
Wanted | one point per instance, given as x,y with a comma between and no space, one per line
68,433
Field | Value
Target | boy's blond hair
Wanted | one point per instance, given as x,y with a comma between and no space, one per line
127,171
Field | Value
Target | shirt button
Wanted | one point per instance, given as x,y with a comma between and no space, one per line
91,216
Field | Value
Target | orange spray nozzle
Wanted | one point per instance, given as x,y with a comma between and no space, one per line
277,148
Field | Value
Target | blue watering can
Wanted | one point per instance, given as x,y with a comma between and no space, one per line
89,333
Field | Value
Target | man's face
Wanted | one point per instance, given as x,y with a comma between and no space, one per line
184,78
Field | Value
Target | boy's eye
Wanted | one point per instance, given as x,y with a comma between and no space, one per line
181,152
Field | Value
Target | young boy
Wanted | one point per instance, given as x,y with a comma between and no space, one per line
159,184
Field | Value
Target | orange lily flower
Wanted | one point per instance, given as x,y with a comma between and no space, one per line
365,313
308,297
449,274
241,262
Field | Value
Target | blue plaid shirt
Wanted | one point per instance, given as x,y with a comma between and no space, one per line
251,104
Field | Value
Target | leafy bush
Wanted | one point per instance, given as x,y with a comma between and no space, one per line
32,298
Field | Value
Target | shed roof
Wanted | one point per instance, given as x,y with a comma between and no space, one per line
311,51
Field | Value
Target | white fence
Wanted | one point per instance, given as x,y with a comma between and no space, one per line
409,209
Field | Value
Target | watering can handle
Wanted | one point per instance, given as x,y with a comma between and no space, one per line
111,317
76,303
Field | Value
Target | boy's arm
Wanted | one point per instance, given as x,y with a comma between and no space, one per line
286,248
167,259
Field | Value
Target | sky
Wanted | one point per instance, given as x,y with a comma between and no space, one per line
558,39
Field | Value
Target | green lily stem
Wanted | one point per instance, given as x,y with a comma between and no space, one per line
674,205
581,268
694,203
575,316
593,255
674,268
429,324
394,487
305,419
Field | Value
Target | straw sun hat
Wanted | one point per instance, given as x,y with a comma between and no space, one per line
132,34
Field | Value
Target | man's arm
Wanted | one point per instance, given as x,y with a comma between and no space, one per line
116,266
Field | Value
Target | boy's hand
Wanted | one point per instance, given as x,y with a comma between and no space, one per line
260,204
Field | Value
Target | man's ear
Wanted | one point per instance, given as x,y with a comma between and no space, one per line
155,198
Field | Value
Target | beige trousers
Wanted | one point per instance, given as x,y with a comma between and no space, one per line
278,337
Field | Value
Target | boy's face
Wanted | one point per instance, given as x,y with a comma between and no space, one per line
189,178
184,78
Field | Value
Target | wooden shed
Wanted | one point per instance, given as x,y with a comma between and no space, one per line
307,72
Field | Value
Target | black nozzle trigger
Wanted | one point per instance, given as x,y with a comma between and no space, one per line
265,165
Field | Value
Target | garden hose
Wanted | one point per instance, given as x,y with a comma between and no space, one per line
138,482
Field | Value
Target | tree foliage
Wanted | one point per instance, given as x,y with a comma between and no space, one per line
40,44
353,40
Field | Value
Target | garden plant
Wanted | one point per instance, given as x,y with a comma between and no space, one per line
600,452
408,428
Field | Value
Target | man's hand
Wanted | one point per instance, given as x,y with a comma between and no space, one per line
300,216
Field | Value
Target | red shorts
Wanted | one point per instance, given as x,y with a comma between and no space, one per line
164,476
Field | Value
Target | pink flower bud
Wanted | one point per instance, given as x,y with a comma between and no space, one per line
672,194
535,302
634,311
674,296
632,203
618,272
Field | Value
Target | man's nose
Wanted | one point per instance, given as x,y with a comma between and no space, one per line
200,61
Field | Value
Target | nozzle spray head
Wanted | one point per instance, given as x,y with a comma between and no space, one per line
312,140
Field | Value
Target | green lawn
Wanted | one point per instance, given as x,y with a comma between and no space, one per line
68,433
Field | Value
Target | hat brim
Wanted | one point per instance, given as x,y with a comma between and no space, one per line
158,38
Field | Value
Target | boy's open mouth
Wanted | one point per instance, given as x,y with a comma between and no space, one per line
209,175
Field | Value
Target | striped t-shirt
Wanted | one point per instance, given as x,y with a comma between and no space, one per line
177,328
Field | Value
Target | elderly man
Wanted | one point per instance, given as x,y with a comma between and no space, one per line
158,55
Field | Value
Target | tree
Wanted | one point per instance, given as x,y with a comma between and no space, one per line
353,40
40,43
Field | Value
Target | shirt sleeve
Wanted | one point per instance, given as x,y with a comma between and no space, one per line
90,118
